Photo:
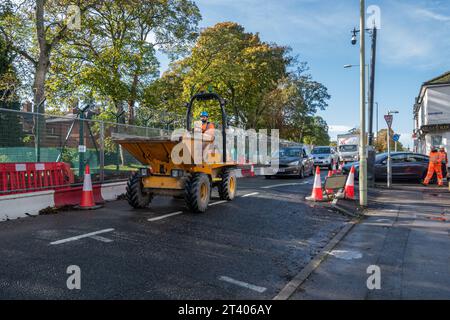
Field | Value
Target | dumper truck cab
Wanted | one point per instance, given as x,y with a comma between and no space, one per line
187,164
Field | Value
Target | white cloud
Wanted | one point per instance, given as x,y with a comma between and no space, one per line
432,15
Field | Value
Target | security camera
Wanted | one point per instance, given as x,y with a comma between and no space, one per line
354,40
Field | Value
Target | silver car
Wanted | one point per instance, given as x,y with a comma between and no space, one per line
325,157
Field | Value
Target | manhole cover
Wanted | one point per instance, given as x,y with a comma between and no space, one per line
346,254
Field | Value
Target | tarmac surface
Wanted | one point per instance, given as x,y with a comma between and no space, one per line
406,235
245,249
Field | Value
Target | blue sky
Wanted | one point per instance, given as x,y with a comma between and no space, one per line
413,47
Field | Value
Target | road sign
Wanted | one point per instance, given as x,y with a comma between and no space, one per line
389,118
396,137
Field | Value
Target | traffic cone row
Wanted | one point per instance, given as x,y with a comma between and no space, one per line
87,195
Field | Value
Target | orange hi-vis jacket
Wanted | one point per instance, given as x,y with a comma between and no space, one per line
435,157
443,157
434,167
207,126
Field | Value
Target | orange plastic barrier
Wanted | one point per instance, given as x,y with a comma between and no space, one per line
27,177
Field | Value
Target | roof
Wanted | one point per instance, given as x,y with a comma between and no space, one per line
443,79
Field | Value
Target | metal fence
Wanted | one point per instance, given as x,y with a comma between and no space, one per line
38,138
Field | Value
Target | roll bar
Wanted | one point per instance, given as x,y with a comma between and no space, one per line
205,96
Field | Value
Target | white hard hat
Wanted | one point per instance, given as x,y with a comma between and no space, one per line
441,147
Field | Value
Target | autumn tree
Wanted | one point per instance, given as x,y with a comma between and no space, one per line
237,65
381,141
113,57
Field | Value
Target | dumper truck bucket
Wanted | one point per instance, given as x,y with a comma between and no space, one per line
146,149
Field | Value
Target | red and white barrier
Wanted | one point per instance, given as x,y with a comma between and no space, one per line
21,205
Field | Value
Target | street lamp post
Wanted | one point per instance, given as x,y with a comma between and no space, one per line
362,106
371,94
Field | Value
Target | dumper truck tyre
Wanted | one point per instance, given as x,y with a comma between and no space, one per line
136,197
197,192
227,187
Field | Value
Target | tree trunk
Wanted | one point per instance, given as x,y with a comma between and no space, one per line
132,100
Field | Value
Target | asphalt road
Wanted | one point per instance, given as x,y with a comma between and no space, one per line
245,249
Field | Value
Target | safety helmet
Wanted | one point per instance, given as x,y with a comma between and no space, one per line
441,147
204,114
433,149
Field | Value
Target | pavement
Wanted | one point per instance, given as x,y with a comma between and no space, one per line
249,248
405,235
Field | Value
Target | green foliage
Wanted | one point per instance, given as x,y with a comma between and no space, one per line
254,77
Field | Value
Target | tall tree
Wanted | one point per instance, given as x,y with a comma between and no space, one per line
10,122
34,29
237,65
114,55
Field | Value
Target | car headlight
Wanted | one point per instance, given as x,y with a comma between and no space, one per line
295,163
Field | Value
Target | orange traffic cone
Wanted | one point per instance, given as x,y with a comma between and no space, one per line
334,172
330,173
317,194
341,167
350,185
87,195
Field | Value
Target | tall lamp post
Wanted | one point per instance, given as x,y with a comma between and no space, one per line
371,94
362,107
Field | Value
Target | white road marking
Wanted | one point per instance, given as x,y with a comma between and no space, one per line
102,239
250,194
211,204
218,202
243,284
285,185
87,235
165,216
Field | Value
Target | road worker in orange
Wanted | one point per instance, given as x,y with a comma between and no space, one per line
434,166
444,160
206,125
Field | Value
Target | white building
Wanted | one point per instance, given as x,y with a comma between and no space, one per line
432,115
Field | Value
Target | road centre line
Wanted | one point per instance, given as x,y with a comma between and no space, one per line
243,284
285,185
165,216
87,235
211,204
216,203
250,194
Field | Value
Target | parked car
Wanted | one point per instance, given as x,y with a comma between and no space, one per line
294,161
405,166
325,157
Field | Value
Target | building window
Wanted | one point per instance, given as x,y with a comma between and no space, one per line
436,140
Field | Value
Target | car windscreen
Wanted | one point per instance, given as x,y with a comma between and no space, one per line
348,148
289,152
321,151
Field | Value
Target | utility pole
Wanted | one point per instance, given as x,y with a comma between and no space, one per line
362,149
371,148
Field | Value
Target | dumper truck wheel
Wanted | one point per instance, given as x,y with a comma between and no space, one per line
197,192
136,197
228,185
